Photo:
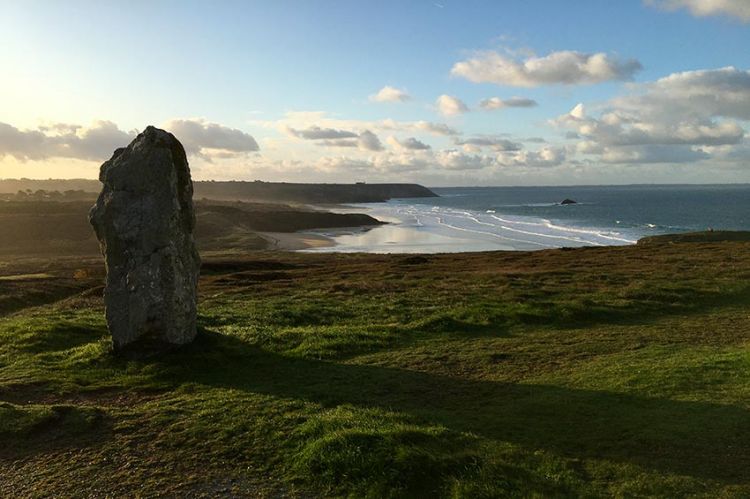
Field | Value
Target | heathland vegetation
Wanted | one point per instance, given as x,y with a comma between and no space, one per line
589,372
49,217
274,192
43,223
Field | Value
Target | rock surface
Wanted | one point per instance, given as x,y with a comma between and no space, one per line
144,221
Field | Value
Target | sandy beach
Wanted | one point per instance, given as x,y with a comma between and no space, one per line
296,241
444,225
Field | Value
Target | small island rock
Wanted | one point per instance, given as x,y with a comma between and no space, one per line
568,201
144,221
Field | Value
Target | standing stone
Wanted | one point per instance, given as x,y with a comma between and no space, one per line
144,221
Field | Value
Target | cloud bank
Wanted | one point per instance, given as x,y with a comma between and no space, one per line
311,122
61,140
200,137
98,141
332,137
684,117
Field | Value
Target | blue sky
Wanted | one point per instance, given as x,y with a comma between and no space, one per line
243,81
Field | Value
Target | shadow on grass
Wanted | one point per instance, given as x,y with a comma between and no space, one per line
62,336
653,305
648,307
693,438
29,429
19,296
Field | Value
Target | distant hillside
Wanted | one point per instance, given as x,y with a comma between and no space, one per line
309,193
62,228
252,191
11,186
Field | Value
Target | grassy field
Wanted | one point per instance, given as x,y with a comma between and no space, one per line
593,372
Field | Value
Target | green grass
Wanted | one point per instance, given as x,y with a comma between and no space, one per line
587,373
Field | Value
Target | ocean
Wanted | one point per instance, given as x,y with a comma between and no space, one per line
529,218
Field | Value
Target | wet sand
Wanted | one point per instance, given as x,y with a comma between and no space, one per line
296,241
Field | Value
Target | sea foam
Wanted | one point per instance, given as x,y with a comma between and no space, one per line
434,229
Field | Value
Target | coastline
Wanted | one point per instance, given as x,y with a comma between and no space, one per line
473,220
425,228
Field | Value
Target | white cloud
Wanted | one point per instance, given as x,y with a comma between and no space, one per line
427,162
203,138
448,105
369,141
674,119
709,92
398,163
376,165
98,141
579,111
309,121
497,103
94,143
434,128
652,154
546,157
338,143
410,144
739,9
406,154
494,142
452,159
390,163
611,130
390,94
565,67
317,133
343,164
332,137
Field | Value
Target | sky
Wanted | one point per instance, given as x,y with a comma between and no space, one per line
443,93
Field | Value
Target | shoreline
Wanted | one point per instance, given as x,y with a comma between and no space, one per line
296,241
425,228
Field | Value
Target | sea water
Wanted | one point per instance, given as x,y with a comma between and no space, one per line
529,218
